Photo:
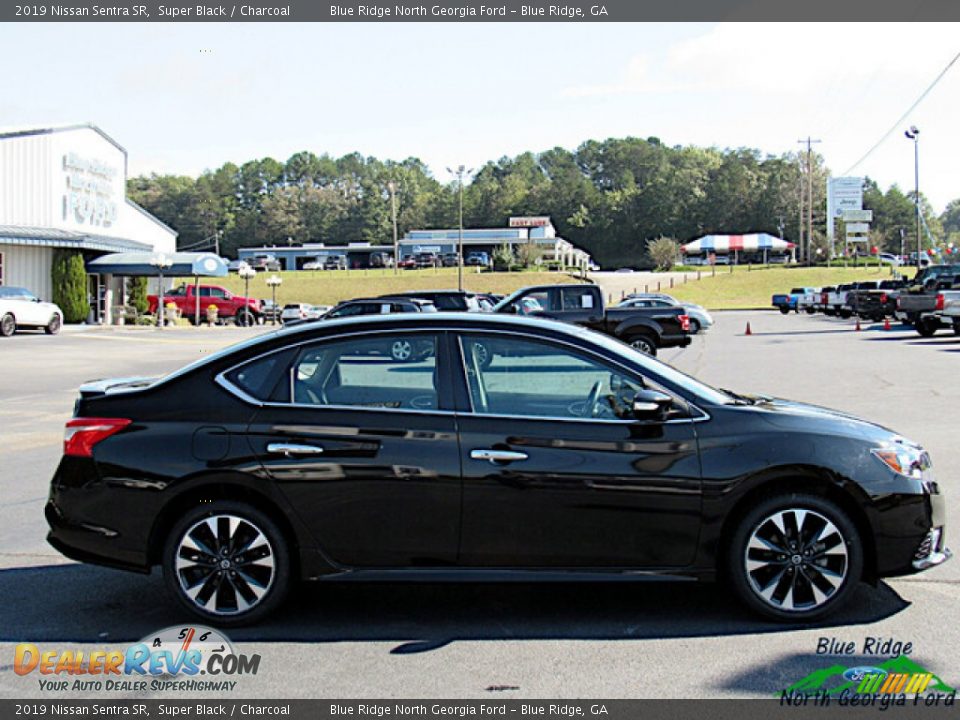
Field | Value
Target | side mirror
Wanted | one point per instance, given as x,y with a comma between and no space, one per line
651,405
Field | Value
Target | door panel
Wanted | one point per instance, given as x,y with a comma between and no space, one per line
365,452
587,488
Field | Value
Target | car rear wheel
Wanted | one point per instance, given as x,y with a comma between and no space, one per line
643,343
8,325
795,557
53,327
927,327
227,562
784,310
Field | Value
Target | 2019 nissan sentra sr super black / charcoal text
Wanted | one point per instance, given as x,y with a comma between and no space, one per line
502,447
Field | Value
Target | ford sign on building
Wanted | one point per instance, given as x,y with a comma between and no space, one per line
65,187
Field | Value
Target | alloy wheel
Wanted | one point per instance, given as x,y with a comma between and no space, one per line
643,345
796,560
225,564
401,350
7,325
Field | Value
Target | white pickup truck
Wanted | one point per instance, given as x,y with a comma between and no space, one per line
948,308
20,308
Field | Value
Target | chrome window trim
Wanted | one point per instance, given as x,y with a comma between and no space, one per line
221,380
701,417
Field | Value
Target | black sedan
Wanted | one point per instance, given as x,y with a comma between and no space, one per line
512,448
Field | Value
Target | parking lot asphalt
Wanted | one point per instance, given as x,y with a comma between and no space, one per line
491,641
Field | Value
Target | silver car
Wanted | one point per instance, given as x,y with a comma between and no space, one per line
700,319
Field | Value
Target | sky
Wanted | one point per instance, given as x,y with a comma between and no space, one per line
183,98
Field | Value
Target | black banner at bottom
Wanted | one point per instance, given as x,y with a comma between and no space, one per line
797,708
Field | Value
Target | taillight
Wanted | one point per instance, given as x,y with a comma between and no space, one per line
823,298
883,298
898,303
939,301
684,322
81,434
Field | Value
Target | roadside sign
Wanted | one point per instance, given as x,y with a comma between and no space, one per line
852,215
857,228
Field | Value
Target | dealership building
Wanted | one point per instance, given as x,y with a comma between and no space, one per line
520,230
65,187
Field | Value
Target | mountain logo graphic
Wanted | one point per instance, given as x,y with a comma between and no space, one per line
896,675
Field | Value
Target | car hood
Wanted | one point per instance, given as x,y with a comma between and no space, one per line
816,419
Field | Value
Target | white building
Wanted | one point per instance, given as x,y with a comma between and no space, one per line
66,187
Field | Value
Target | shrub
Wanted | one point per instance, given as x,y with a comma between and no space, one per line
137,293
663,252
70,285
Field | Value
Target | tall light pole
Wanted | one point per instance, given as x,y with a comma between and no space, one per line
914,134
392,187
246,272
160,262
274,282
459,173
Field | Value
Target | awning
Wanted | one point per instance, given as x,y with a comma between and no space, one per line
724,244
53,237
181,265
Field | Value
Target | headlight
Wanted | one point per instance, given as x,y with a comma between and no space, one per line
904,459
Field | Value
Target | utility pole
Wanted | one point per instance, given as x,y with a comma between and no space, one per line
800,218
392,186
809,143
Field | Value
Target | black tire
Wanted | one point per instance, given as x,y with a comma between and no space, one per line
8,325
694,326
810,310
845,314
799,590
956,327
251,575
53,327
784,310
245,318
927,327
644,343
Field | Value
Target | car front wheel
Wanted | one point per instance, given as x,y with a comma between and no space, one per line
53,327
227,562
8,325
694,326
927,327
795,557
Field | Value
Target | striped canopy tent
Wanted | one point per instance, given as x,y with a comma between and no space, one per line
725,244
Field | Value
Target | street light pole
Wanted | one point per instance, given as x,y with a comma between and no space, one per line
914,134
160,262
392,186
274,282
459,172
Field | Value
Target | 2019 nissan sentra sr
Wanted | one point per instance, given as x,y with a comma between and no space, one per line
503,448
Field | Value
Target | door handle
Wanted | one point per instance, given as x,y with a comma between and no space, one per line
497,456
291,449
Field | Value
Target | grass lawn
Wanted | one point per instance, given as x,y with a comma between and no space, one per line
743,289
328,287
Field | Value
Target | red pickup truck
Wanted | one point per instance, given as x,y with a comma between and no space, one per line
245,311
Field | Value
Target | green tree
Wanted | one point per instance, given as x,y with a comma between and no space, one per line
663,252
137,294
69,280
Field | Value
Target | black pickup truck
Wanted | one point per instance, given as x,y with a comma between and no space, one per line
646,329
916,303
875,300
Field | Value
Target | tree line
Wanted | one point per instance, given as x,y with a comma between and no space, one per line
610,197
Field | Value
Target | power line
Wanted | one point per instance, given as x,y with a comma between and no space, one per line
903,117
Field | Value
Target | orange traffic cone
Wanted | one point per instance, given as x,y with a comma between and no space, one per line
749,331
857,328
886,323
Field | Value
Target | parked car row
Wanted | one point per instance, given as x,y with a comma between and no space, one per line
927,302
646,322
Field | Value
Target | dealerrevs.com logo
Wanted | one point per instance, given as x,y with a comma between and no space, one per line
175,659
